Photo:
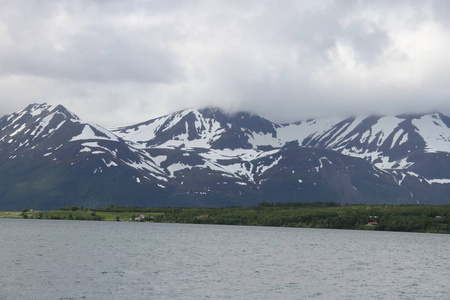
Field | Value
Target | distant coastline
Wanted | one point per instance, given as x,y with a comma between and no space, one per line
405,218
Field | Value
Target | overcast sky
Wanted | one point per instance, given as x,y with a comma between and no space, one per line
122,62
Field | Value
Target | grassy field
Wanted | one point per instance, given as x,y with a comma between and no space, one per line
414,218
11,214
80,215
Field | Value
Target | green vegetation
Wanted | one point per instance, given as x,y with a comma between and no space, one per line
75,213
417,218
11,214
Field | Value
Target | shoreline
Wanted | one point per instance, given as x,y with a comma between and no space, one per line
407,218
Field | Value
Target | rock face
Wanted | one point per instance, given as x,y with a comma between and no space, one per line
49,158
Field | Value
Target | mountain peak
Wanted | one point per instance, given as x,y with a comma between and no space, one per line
38,107
207,127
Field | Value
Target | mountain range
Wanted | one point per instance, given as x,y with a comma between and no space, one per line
50,158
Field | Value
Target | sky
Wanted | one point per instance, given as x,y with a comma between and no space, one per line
116,62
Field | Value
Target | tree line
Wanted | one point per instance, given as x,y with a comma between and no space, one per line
419,218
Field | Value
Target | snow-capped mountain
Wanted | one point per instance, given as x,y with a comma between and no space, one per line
50,158
414,149
204,128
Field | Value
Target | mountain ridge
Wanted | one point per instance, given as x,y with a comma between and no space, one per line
205,157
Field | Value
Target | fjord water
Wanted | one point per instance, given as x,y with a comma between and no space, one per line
44,259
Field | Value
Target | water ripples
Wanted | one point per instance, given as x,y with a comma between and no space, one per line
115,260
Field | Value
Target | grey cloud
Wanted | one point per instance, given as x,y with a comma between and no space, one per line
116,62
367,40
99,50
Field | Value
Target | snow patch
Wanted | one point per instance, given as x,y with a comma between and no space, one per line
439,181
396,137
18,130
437,137
159,159
42,125
404,139
177,167
88,134
110,164
321,163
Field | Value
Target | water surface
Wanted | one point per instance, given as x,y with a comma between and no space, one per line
53,259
